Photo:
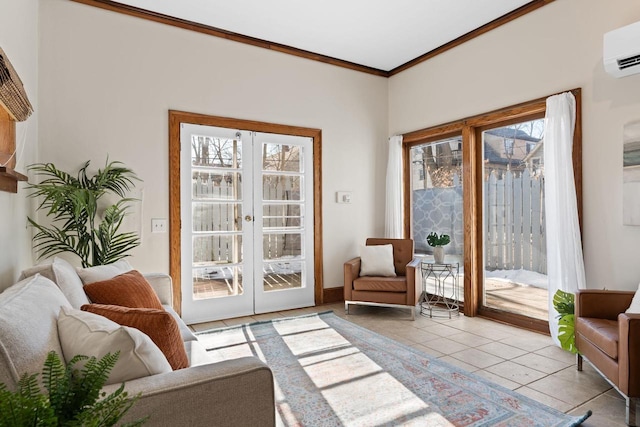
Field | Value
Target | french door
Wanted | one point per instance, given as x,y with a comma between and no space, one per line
246,222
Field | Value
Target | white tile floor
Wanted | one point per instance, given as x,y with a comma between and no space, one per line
517,359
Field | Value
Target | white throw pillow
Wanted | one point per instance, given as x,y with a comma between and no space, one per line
64,275
377,260
635,303
93,335
103,272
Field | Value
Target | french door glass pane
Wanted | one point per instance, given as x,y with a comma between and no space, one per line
285,216
216,216
282,275
436,197
279,157
515,263
217,249
282,246
216,282
281,187
215,152
216,184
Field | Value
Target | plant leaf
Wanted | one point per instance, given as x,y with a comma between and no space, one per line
566,333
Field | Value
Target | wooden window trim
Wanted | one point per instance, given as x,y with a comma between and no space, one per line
114,6
471,128
175,256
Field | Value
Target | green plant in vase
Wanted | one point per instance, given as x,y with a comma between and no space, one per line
79,222
438,243
564,303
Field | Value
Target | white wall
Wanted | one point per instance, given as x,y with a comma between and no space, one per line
19,40
108,81
556,48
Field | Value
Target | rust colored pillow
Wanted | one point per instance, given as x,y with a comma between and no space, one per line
129,289
159,325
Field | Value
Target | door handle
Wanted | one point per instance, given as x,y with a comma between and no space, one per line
248,218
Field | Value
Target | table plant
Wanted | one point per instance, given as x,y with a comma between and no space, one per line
438,243
79,221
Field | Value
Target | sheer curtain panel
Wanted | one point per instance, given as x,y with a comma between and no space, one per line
393,209
565,265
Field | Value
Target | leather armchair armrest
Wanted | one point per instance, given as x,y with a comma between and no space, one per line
217,394
629,354
602,304
351,273
414,287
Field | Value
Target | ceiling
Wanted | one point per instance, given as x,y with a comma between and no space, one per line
378,34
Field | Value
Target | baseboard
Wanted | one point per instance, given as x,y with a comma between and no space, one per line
330,295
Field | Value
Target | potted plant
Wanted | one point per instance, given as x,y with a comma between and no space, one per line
72,397
564,303
79,222
438,243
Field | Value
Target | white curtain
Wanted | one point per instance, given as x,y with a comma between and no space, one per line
393,211
565,265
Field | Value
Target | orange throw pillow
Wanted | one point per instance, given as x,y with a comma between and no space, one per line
130,289
159,325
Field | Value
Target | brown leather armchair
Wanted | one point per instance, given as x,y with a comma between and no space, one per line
609,339
399,291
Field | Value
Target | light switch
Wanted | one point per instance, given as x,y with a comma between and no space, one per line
343,197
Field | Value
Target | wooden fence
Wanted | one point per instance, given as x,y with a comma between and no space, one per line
514,221
219,213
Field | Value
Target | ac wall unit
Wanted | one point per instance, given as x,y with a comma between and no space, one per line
622,51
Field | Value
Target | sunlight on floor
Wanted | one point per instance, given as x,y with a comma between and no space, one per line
335,367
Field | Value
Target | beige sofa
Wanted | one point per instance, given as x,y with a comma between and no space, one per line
230,393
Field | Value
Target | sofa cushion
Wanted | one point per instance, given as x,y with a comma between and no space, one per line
93,335
129,289
103,272
634,308
377,261
185,332
381,284
64,275
161,327
602,333
28,327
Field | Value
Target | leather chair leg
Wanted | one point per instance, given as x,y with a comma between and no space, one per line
631,411
579,362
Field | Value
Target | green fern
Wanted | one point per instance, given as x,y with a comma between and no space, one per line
72,205
26,407
73,398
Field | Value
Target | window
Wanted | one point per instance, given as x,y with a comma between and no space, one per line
508,146
496,164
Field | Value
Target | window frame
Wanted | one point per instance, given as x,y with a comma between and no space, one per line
471,129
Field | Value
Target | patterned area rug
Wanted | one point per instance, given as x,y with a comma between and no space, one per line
331,372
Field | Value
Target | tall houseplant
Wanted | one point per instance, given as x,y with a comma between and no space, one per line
78,224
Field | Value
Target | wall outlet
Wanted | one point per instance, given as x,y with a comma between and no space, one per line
158,225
